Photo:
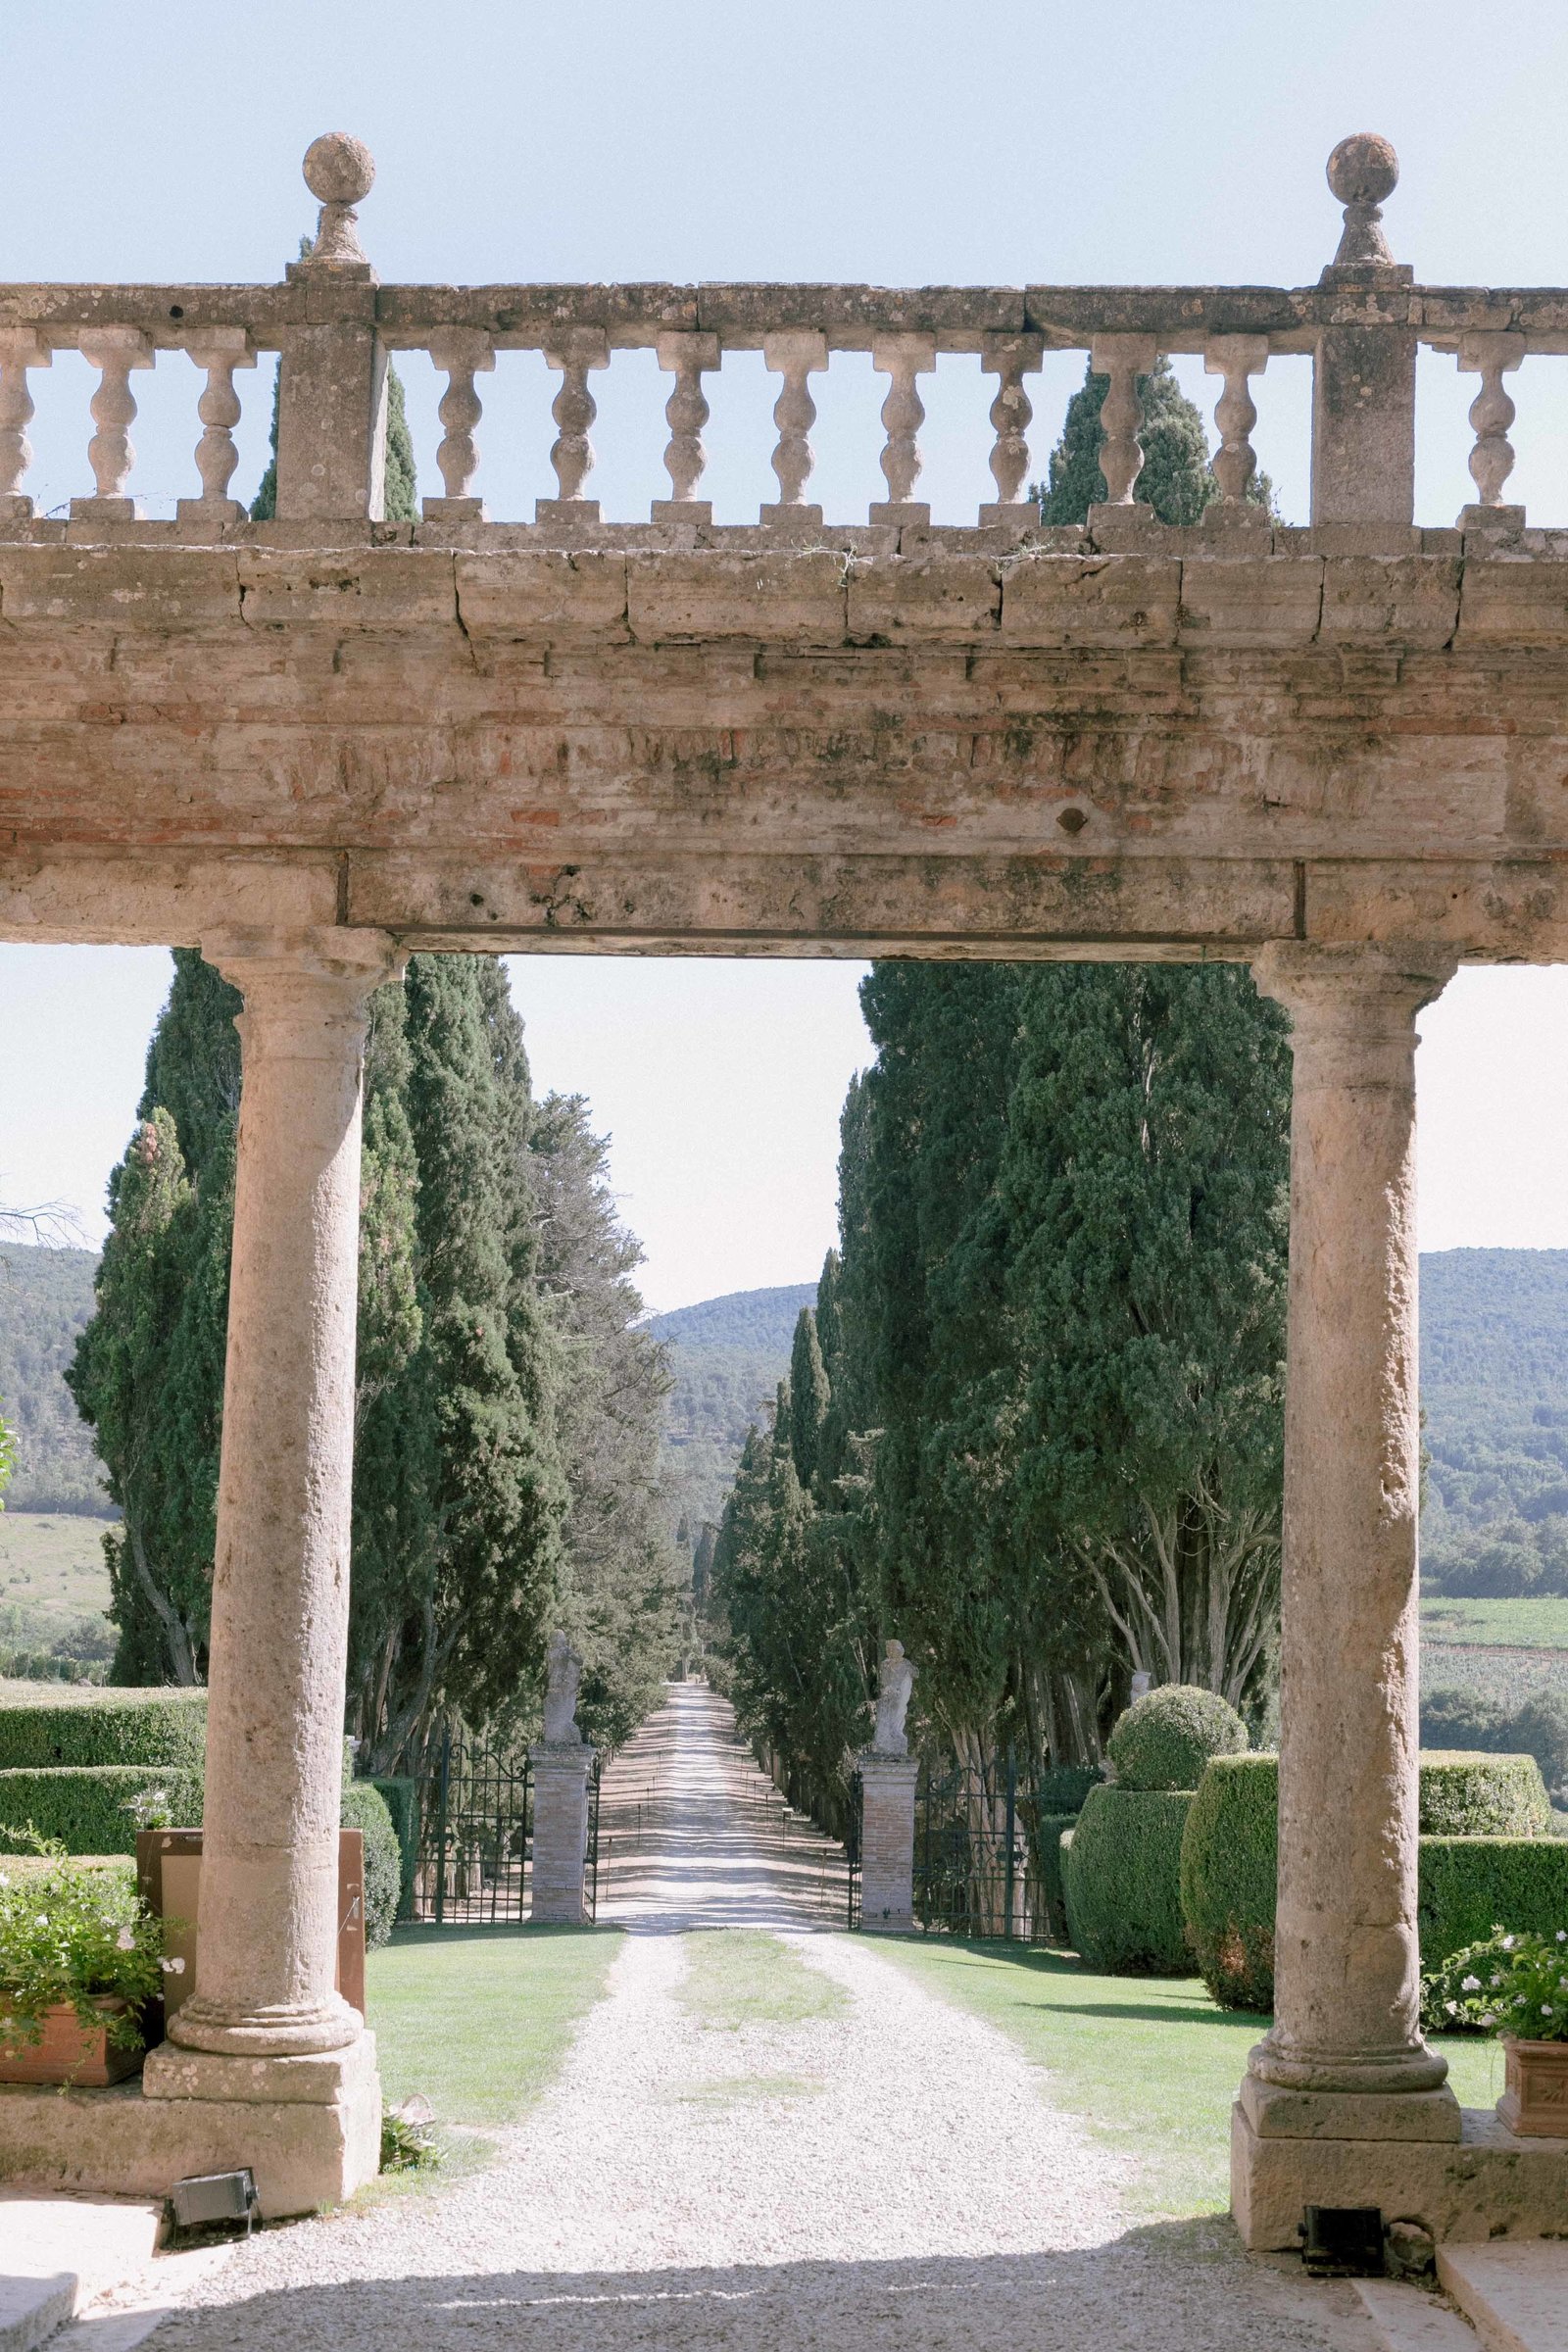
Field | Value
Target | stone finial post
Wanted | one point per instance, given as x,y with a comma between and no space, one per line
331,417
1363,377
888,1776
561,1761
1345,2058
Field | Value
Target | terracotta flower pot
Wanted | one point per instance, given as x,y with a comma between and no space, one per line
1535,2097
70,2051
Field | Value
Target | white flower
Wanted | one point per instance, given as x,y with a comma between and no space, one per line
1453,2008
1470,1985
42,1919
1508,1943
126,1940
1497,1979
1563,1933
173,1968
1546,2008
1488,2018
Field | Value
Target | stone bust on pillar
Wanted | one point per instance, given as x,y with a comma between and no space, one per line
896,1681
565,1670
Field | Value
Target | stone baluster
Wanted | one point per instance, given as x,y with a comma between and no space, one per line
1123,359
1011,358
265,2024
795,354
688,357
113,351
576,355
20,350
462,353
1492,357
904,358
219,350
1236,358
1345,2060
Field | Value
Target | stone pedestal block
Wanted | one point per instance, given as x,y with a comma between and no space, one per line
886,1843
560,1832
1484,2184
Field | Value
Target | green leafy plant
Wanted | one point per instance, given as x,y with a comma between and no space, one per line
408,2139
72,1934
1462,1996
150,1809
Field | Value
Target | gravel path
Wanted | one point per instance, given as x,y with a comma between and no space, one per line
894,2176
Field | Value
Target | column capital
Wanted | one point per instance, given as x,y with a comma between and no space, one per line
306,991
1311,977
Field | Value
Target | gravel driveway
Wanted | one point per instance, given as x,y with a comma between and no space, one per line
893,2177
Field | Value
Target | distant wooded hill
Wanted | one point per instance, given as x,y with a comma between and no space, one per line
727,1355
1493,1388
45,1299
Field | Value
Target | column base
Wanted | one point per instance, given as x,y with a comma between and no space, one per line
1278,2111
310,2129
1486,2184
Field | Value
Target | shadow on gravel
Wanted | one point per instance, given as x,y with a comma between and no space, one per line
1179,2286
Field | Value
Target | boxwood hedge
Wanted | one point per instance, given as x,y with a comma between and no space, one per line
1465,1794
1053,1825
1164,1740
124,1727
1121,1875
83,1805
365,1809
402,1797
1468,1885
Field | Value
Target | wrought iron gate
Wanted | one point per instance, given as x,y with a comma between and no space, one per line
852,1854
475,1842
475,1836
978,1864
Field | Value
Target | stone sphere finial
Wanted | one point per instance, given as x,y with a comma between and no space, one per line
1361,171
339,172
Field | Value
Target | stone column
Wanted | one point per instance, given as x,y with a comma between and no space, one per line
1345,2058
265,2021
886,1841
561,1771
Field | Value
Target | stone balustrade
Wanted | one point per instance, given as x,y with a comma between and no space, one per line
334,325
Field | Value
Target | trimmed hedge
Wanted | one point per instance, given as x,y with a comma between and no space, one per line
1467,1884
125,1727
1466,1795
1052,1827
1470,1885
1122,1874
1164,1740
1062,1788
364,1808
402,1798
83,1805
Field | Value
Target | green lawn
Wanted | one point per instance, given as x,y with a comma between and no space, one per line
1510,1624
743,1977
1149,2062
479,2019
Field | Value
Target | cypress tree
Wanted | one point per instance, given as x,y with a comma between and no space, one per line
808,1398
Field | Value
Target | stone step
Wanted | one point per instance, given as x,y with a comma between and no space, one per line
1516,2297
58,2254
1408,2319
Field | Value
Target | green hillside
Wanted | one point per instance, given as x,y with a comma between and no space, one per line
728,1356
45,1299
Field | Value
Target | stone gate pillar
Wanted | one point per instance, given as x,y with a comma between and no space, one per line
265,2037
1344,2064
560,1772
886,1841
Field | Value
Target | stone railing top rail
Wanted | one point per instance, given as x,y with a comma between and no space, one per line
334,325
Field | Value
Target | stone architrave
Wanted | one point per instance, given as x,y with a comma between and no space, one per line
1345,2060
266,2039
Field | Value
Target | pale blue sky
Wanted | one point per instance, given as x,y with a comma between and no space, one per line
890,140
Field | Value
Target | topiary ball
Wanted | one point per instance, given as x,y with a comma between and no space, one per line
1165,1738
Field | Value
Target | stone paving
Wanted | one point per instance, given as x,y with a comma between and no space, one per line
894,2175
